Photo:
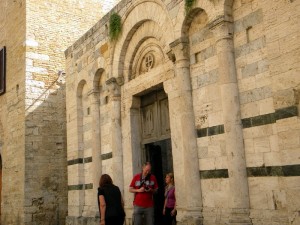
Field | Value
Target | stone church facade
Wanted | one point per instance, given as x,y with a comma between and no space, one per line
210,93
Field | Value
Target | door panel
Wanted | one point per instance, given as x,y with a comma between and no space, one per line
155,117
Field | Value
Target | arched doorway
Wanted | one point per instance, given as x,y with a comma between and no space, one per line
156,140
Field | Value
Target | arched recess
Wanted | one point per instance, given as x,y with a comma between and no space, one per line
81,92
99,86
136,17
214,10
97,95
96,79
148,37
80,95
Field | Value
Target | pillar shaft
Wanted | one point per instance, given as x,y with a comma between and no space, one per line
184,139
238,180
96,152
116,132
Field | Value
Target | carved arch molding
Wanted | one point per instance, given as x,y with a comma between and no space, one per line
148,56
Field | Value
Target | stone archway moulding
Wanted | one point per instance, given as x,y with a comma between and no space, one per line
138,39
138,14
80,86
213,9
96,79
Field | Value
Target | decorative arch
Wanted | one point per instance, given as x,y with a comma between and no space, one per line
80,87
213,9
189,19
149,30
140,13
97,78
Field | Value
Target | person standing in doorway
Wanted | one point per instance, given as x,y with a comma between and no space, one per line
143,185
169,210
110,202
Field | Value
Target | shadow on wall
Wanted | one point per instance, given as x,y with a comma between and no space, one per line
46,187
46,155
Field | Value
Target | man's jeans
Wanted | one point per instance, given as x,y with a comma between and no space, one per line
141,214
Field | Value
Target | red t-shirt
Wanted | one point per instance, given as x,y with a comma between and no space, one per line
143,199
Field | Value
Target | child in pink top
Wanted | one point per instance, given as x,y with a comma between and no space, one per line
169,211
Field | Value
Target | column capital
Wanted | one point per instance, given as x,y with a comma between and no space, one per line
222,28
94,95
179,50
114,86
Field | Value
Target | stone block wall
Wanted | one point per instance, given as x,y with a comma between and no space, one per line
267,59
33,117
12,111
90,97
59,24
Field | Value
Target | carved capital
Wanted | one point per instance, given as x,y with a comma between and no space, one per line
222,28
179,49
114,86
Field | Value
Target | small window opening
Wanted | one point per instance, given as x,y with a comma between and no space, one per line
248,31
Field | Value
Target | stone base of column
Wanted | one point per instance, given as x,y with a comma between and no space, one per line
190,217
73,220
191,221
240,217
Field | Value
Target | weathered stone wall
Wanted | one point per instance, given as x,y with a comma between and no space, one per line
51,27
267,60
12,111
33,133
242,99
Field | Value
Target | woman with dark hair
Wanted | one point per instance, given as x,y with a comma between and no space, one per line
110,202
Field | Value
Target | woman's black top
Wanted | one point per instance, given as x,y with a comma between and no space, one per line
112,196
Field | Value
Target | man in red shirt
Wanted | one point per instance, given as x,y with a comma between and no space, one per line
143,185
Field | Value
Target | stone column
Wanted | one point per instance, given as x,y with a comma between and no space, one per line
96,150
184,138
116,132
95,111
131,138
238,181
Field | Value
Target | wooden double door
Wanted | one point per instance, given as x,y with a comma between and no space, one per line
156,139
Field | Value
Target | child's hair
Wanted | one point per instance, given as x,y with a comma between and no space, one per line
171,175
